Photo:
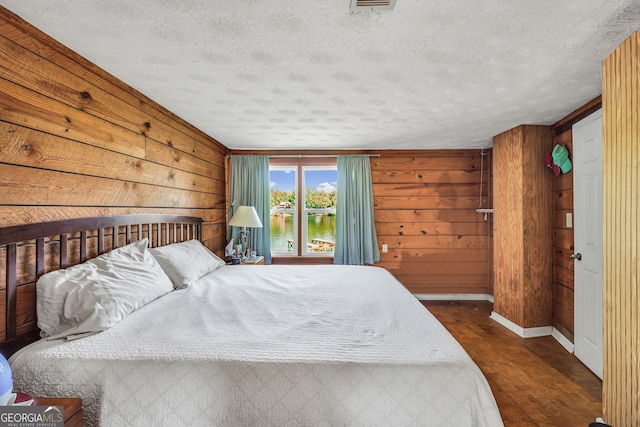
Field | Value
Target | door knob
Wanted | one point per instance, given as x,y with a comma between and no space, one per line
577,256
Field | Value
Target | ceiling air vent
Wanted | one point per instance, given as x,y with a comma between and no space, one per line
364,5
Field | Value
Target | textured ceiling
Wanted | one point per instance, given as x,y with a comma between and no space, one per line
300,74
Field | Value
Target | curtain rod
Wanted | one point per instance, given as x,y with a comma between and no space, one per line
299,156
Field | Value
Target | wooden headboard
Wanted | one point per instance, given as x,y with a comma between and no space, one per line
28,251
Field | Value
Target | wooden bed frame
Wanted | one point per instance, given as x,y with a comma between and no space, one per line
31,250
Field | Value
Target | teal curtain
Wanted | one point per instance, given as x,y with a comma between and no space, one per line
250,187
356,240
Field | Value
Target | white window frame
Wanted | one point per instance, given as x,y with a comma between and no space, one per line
300,234
293,169
305,212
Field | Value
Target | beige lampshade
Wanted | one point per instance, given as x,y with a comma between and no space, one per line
245,216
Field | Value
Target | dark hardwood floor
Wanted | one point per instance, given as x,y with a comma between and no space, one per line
535,381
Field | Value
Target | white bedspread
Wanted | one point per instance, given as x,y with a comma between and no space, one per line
269,346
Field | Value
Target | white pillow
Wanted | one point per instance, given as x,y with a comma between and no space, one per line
95,295
186,262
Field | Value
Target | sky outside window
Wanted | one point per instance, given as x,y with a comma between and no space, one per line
323,180
284,180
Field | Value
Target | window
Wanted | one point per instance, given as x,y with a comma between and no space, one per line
303,206
284,201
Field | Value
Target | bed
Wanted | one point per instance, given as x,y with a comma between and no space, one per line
245,345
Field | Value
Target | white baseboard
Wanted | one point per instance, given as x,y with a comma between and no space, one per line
542,331
454,297
564,341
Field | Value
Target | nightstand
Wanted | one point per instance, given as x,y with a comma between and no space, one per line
254,261
72,408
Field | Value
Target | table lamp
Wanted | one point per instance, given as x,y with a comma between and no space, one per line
245,216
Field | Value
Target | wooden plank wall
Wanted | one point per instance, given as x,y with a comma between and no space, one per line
562,235
77,142
621,234
425,204
508,244
522,227
425,211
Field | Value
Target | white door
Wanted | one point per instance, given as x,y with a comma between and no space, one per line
587,193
